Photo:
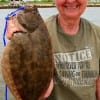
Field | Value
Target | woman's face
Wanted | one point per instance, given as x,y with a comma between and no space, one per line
71,8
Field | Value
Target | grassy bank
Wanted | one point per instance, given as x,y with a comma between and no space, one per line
93,3
28,2
2,4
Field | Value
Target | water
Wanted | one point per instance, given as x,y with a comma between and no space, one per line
91,13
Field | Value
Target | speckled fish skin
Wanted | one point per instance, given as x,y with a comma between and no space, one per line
27,60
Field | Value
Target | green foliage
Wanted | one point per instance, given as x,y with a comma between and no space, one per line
42,0
2,0
47,0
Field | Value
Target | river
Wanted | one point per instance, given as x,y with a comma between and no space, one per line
91,13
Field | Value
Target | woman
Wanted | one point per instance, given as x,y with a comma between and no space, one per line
76,45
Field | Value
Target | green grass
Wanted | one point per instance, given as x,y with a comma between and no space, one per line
4,3
37,2
45,2
94,3
42,2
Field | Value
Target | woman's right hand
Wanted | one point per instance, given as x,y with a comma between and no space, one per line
11,27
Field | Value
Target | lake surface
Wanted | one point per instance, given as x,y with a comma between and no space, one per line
91,13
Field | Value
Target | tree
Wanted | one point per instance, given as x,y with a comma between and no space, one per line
3,0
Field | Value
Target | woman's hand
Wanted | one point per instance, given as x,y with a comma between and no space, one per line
49,90
98,88
11,27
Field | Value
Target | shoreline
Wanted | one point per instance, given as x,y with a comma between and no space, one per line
16,6
40,6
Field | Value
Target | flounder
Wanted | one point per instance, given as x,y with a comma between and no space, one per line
27,60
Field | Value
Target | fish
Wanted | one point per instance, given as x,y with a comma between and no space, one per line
27,61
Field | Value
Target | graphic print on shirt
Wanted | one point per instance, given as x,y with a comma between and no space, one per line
74,68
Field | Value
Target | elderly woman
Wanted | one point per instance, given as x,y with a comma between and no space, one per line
76,46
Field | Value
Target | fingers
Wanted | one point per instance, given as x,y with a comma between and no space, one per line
49,90
11,28
98,88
